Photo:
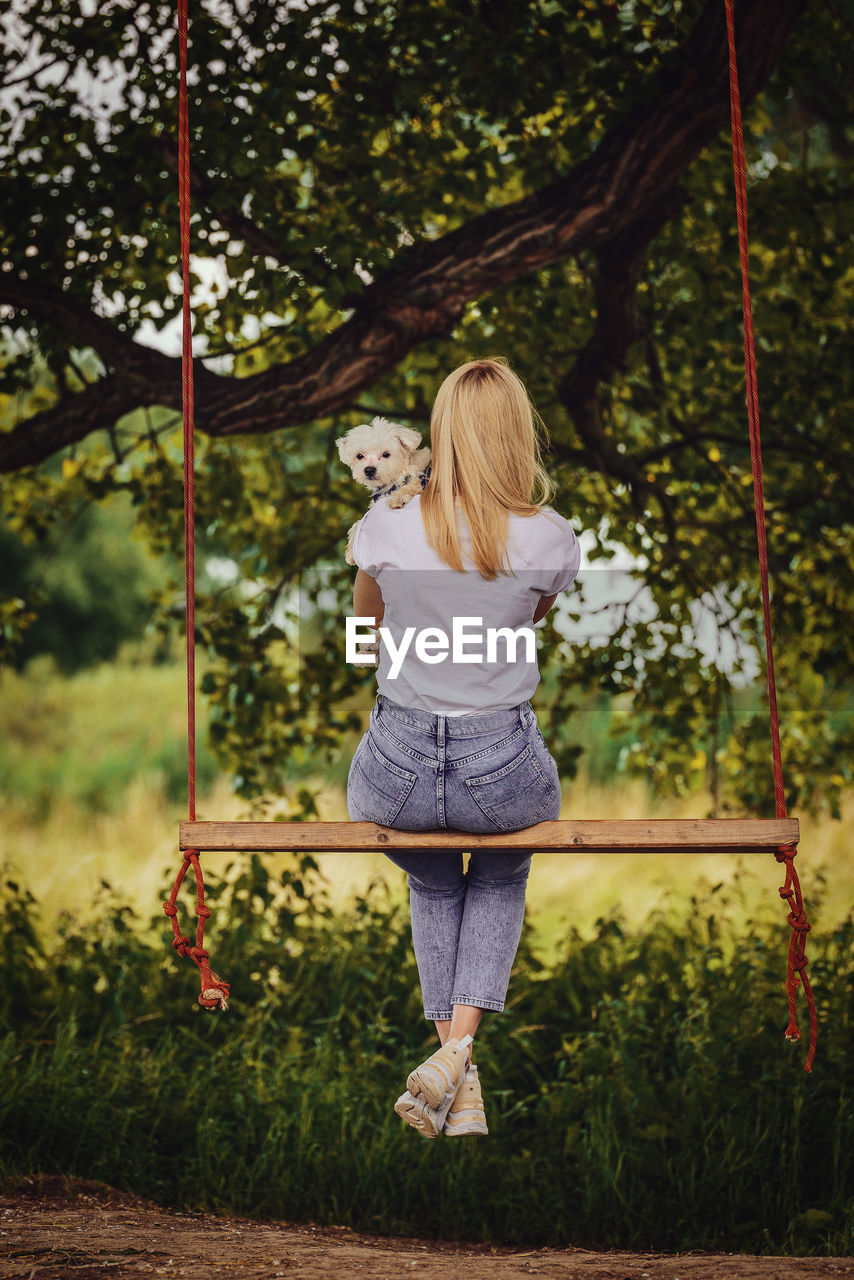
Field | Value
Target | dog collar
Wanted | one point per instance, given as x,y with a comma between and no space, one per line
392,488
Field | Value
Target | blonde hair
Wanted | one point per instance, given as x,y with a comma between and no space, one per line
486,461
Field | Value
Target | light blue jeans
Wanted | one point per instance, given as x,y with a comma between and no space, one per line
487,772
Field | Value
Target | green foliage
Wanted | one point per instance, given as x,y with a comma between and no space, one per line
640,1071
89,588
338,120
346,138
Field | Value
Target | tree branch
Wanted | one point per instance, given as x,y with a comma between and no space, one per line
625,189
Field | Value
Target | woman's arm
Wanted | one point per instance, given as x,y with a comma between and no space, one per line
543,607
367,598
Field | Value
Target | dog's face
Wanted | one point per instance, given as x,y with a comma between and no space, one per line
379,452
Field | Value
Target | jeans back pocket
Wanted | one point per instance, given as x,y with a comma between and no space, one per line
517,795
377,788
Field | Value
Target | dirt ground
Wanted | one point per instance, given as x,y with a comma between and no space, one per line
69,1229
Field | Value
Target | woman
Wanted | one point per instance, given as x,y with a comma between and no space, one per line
453,741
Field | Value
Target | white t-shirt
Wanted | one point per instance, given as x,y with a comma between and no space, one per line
436,652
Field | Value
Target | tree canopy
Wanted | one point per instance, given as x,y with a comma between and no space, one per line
383,191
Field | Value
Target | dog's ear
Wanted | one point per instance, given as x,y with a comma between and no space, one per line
343,450
409,438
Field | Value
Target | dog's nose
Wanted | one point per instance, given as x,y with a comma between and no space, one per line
370,472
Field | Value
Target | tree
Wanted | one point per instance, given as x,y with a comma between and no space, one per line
387,190
89,594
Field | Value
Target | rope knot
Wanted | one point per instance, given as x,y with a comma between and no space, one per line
217,995
215,991
218,1001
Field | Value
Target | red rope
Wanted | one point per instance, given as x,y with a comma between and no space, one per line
215,991
791,890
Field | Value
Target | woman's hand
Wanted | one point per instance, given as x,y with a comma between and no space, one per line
543,607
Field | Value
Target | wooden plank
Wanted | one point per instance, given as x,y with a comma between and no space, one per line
709,835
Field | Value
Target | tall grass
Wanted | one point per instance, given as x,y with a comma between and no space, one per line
83,741
640,1093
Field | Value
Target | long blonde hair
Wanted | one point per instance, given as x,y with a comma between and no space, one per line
486,461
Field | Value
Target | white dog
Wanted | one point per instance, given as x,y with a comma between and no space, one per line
386,459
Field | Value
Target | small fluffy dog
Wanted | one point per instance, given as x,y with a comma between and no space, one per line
386,459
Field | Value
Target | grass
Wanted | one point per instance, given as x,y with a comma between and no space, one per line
640,1093
640,1064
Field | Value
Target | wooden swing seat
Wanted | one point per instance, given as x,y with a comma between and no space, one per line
707,835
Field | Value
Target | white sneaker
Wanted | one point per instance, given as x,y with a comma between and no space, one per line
423,1118
467,1113
437,1079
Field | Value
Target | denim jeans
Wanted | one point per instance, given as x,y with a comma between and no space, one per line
486,773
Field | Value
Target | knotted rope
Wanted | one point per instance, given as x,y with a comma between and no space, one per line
215,991
791,890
